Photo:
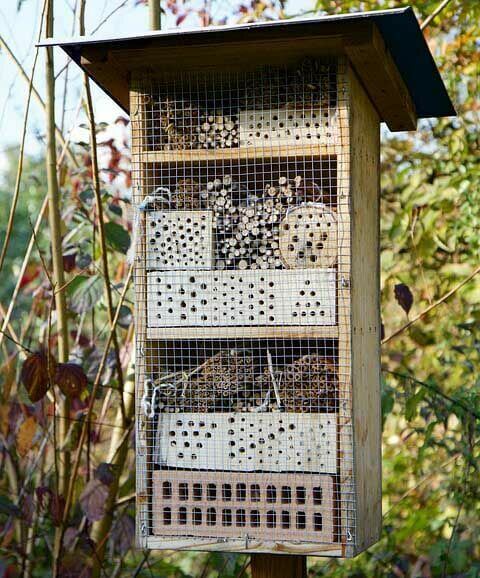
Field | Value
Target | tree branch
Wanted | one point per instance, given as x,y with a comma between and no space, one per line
431,307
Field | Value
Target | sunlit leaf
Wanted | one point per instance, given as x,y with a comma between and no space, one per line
85,293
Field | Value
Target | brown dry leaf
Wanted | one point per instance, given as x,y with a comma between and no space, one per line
35,375
71,379
4,424
25,436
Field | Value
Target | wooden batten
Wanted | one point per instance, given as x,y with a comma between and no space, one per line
380,78
365,312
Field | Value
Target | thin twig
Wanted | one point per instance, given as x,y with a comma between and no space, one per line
421,482
435,13
101,224
274,381
18,178
437,391
23,268
108,16
37,97
96,385
432,306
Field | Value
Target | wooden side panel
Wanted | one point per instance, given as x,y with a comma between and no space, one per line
142,443
365,303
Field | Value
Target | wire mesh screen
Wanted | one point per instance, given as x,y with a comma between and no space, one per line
242,265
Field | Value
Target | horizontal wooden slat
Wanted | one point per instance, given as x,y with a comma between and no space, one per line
187,156
267,332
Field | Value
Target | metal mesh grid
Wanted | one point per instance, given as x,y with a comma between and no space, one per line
241,190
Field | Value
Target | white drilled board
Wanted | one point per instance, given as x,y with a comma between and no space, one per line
272,442
241,298
179,240
286,126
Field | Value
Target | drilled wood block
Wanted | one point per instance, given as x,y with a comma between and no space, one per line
179,240
244,505
272,442
287,127
308,237
241,298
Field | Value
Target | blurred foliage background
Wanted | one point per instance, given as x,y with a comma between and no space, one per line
430,308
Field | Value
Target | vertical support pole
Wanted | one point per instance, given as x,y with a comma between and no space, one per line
154,14
55,223
278,566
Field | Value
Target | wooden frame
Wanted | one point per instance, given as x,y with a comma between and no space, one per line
356,329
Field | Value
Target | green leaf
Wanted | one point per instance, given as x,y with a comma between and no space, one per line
117,237
85,292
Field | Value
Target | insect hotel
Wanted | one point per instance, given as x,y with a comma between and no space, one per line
255,156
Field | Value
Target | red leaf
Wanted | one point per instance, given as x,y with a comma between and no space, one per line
35,374
93,500
43,493
404,297
123,534
69,262
105,473
181,18
71,379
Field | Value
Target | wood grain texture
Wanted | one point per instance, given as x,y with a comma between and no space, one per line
365,313
272,151
380,77
271,566
267,332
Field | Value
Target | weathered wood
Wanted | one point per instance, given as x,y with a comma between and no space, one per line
365,191
315,150
238,546
382,81
141,444
285,332
271,566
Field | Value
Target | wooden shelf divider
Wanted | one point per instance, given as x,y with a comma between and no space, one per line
235,154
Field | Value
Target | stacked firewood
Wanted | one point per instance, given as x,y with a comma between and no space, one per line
186,195
232,380
217,385
176,124
312,84
247,231
216,131
309,384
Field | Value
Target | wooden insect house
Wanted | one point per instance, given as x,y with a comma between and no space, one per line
255,156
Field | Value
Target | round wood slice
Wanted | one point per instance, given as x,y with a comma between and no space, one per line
308,237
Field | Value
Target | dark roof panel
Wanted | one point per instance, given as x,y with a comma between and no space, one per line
399,29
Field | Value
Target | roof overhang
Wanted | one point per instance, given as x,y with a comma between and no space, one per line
386,48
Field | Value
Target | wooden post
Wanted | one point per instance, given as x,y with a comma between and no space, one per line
278,566
154,14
